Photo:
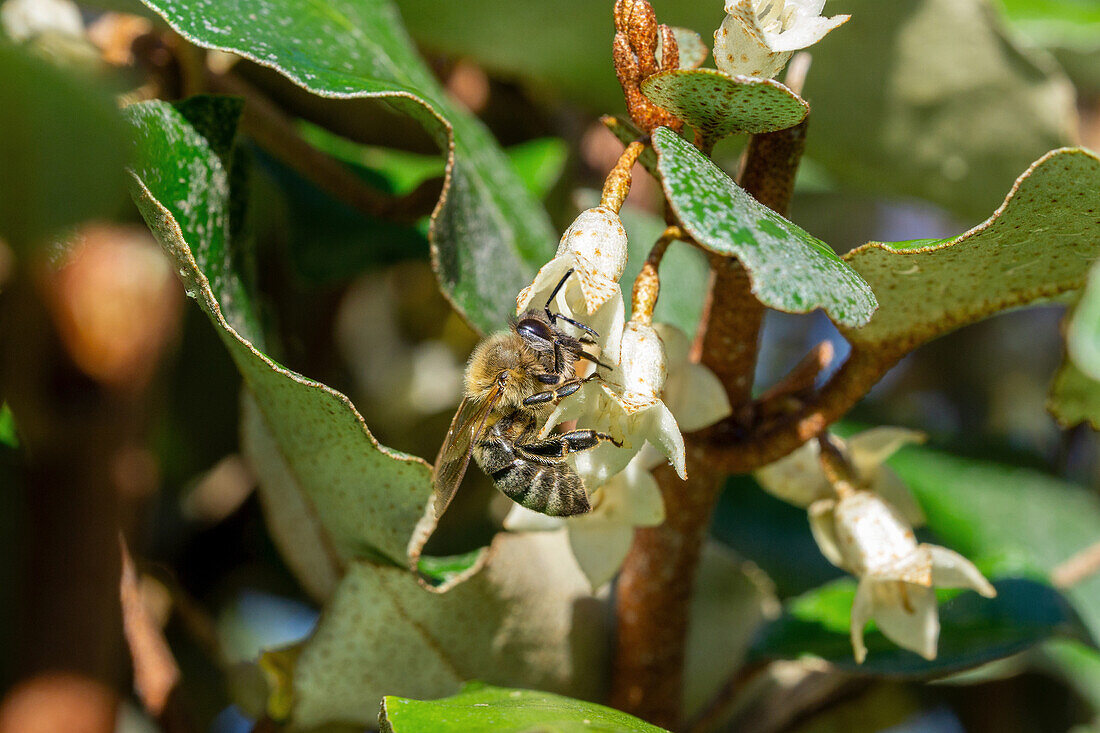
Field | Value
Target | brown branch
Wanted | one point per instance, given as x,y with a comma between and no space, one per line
735,448
274,131
655,587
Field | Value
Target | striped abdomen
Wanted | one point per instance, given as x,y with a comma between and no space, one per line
548,486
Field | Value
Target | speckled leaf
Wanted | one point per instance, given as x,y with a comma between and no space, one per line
718,105
486,220
790,269
690,47
348,496
62,150
480,708
526,619
1038,244
974,630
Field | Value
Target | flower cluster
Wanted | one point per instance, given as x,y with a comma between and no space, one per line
651,391
863,524
758,37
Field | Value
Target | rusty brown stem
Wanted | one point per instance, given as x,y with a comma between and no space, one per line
647,286
616,186
655,587
274,131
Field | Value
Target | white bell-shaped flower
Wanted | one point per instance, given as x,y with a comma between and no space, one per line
800,479
865,535
758,37
627,405
595,248
692,391
601,538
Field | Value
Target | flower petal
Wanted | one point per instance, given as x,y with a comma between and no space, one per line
662,431
890,487
861,614
907,615
798,478
522,519
696,396
952,570
872,535
871,448
644,505
599,548
804,32
607,321
549,275
598,465
823,527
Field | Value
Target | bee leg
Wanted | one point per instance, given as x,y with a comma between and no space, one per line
553,317
559,446
555,395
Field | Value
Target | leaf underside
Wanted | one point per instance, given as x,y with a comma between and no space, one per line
486,220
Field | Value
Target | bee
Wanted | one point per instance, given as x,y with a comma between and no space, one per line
512,381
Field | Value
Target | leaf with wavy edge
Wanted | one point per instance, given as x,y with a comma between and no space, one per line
718,105
485,221
527,618
334,494
1038,244
790,269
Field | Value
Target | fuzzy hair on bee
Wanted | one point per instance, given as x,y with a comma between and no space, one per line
512,381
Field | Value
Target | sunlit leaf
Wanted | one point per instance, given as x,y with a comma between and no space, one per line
480,708
1039,244
340,495
525,619
1062,23
791,270
63,148
487,220
718,105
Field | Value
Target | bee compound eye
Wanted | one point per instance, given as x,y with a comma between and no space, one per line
534,328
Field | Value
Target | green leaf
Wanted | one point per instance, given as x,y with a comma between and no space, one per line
1039,244
63,148
974,630
333,493
718,105
790,269
480,708
9,434
1058,23
486,221
526,618
1074,398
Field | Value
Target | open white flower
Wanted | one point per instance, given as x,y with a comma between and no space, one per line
627,405
866,536
758,37
601,539
595,248
800,479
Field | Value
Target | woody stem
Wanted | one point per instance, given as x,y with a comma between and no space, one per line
655,587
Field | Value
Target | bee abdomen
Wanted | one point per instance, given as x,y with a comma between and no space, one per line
555,490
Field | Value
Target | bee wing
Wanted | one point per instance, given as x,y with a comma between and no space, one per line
454,456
